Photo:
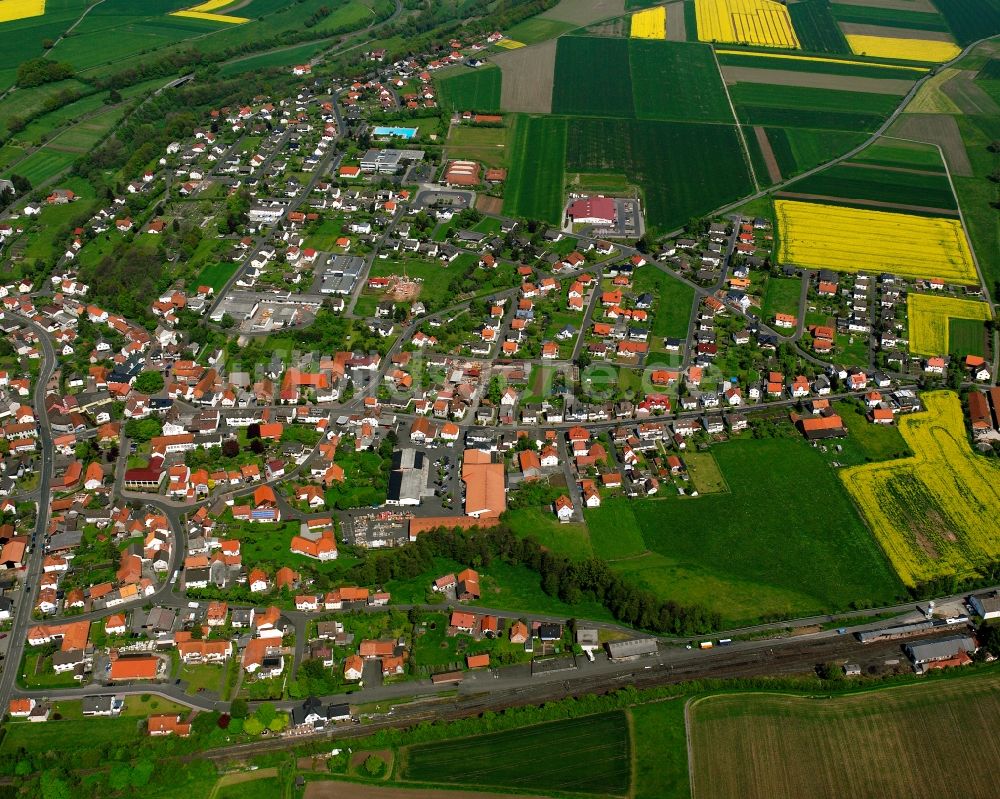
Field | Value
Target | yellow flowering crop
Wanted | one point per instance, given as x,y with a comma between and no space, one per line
817,236
650,23
903,49
929,315
760,22
510,44
20,9
934,514
204,11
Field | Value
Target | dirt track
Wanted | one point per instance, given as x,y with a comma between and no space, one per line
816,80
773,171
528,75
939,129
352,790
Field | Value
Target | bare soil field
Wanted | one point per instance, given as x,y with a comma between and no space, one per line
676,28
333,789
528,75
773,172
969,96
917,741
857,29
489,205
583,12
939,129
815,80
898,5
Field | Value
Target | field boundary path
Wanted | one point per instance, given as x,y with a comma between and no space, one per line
736,121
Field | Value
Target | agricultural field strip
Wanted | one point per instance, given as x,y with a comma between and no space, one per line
816,80
649,24
929,316
819,236
759,22
815,59
919,50
934,514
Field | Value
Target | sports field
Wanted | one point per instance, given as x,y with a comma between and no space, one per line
935,513
930,317
819,236
917,741
471,89
538,156
764,23
588,755
698,551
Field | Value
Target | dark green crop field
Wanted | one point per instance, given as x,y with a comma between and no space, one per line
471,90
816,28
677,80
877,183
592,77
585,755
891,17
854,69
970,20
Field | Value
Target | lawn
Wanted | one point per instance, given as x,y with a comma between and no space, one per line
265,788
965,337
216,274
674,301
518,589
434,277
677,80
702,554
571,540
706,477
66,736
746,746
661,766
478,143
781,295
587,755
867,442
534,187
614,530
207,677
471,89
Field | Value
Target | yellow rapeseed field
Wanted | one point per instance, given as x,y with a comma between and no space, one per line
903,49
650,24
820,59
760,22
20,9
929,315
510,44
204,11
934,514
817,236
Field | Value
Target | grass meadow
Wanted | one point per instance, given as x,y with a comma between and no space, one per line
471,89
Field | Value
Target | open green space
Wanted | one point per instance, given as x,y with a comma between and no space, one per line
965,337
659,738
571,540
677,80
701,553
781,295
471,89
216,274
673,301
65,736
685,169
703,469
867,442
852,182
264,788
816,27
487,145
615,534
43,165
589,755
284,57
534,187
583,90
538,29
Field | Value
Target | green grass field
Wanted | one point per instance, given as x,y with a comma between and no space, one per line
588,756
781,295
471,89
751,746
216,274
847,182
65,736
583,90
661,764
816,27
965,337
485,144
280,58
867,442
571,540
701,552
676,80
706,476
614,530
42,165
538,29
535,181
264,788
674,301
